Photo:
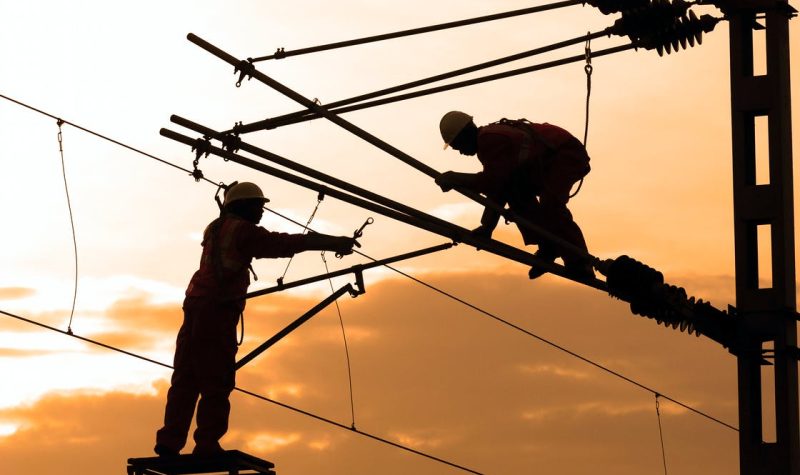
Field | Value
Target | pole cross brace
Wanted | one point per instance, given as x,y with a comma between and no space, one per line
304,318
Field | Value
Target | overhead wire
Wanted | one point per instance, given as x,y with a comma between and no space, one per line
282,53
305,114
250,393
661,435
60,138
302,116
447,294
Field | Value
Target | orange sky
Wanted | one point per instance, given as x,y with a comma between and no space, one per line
427,372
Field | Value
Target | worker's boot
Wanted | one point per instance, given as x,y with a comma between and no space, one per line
164,451
545,255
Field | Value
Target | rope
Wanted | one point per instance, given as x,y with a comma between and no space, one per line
249,393
281,53
346,348
588,68
60,138
661,435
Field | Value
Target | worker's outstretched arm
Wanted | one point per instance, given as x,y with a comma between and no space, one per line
449,180
325,242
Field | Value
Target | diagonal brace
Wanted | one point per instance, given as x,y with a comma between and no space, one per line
300,320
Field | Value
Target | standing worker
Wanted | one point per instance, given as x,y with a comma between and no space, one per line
532,168
206,344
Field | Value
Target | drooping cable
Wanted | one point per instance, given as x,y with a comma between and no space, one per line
281,53
346,348
588,69
60,138
661,435
252,394
320,197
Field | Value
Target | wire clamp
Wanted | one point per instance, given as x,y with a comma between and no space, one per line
201,147
245,70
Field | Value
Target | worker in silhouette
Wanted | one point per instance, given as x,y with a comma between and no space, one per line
532,168
206,343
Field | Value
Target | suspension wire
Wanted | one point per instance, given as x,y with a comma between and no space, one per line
108,139
305,114
60,138
419,281
661,435
249,393
346,348
320,197
588,69
280,53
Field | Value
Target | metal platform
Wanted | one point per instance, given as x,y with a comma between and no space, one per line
231,462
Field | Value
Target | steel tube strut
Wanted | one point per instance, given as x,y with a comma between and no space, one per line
508,214
305,114
350,270
317,175
280,54
455,85
452,231
294,325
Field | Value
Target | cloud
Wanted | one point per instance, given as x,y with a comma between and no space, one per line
11,293
433,375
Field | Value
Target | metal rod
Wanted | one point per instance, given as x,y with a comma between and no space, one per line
454,232
293,326
508,214
280,54
317,175
350,270
274,122
305,114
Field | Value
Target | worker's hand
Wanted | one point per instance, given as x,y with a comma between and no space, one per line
483,231
447,180
343,245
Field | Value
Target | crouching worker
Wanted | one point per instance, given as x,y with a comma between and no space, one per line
206,343
532,168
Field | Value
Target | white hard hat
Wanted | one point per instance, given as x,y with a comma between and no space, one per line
243,191
451,124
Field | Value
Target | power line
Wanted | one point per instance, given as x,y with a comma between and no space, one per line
282,53
251,393
447,294
71,223
97,134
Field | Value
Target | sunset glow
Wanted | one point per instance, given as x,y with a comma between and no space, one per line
519,380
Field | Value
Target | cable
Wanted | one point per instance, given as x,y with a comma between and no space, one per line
559,347
346,348
96,134
474,307
71,223
249,393
304,114
281,53
661,436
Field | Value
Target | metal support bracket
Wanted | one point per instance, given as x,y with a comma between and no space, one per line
299,321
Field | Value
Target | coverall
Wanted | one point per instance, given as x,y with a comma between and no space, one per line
206,343
522,161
